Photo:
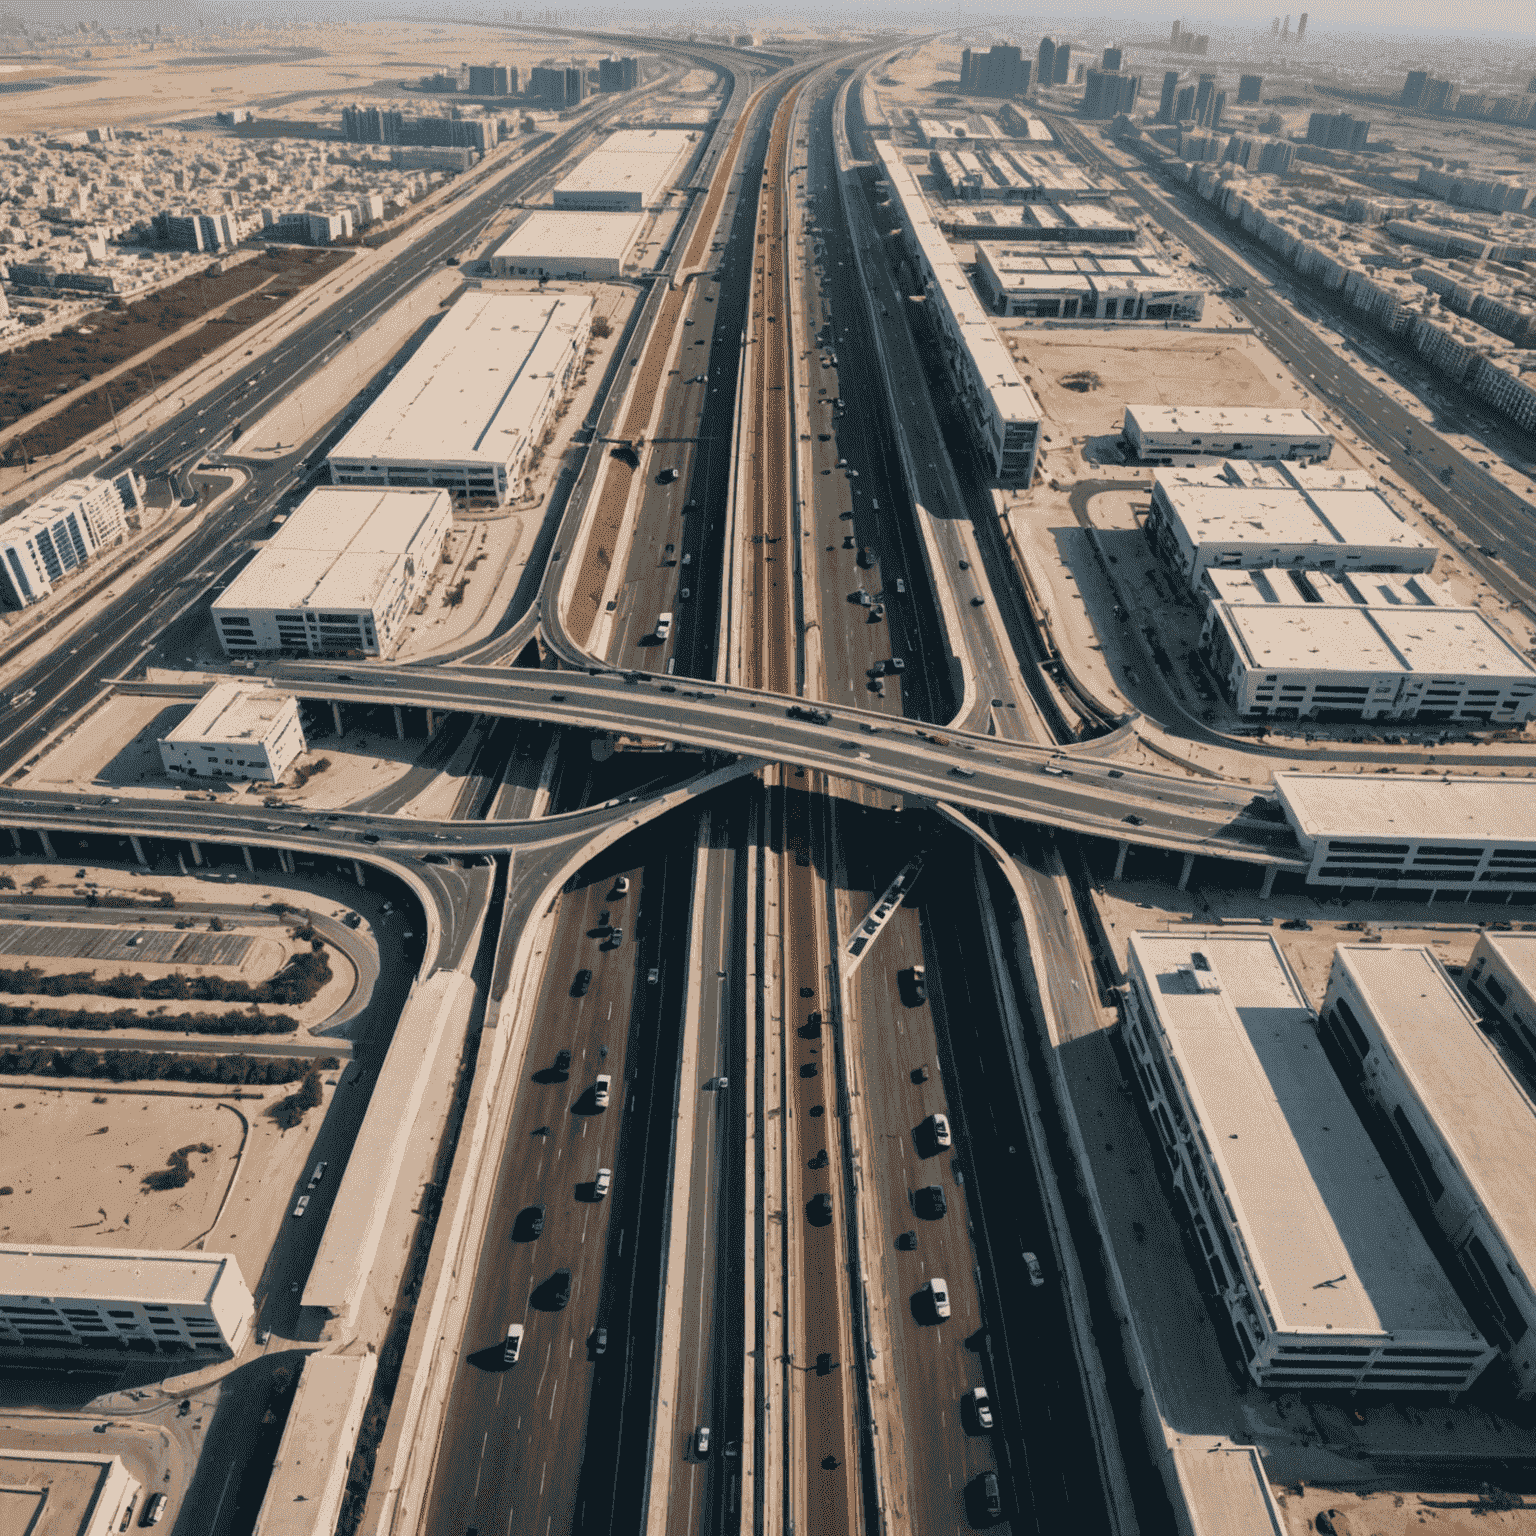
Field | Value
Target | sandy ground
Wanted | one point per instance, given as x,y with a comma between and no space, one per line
1397,1514
66,1191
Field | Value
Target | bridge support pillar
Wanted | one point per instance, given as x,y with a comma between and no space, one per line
181,860
138,848
1125,848
1189,864
287,860
431,724
399,724
250,863
47,845
197,853
15,839
336,717
357,865
1269,883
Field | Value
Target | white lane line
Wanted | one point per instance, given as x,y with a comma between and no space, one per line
480,1470
554,1392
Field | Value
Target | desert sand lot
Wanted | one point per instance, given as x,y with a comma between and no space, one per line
277,72
1383,1513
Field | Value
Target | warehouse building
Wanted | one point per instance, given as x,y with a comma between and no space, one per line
1039,223
1447,836
1309,1250
61,531
467,408
121,1300
594,247
991,395
1245,516
72,1493
1461,1124
1232,432
1080,284
629,171
236,731
340,576
1302,659
1501,978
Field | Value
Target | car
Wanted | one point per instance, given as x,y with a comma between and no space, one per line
938,1129
701,1441
653,975
560,1288
318,1174
981,1407
988,1496
600,1342
937,1290
264,1335
1134,820
918,981
581,983
1032,1264
814,716
898,664
600,1090
962,773
978,602
663,625
930,1201
302,1206
154,1511
920,1074
901,587
866,557
621,886
821,1209
562,1061
666,477
513,1347
367,837
906,1241
602,1183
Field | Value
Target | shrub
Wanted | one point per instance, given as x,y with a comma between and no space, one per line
289,1112
138,1066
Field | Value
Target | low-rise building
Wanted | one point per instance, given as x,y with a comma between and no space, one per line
339,576
993,397
591,246
120,1301
631,170
61,531
1324,1277
1244,515
236,731
1461,1126
1392,832
1228,432
1075,283
71,1492
470,404
1501,978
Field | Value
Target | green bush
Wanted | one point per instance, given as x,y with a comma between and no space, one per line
141,1066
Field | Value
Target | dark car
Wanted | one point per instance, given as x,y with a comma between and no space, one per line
666,477
560,1288
906,1241
820,1209
920,1074
530,1222
600,1342
866,557
582,982
563,1061
930,1201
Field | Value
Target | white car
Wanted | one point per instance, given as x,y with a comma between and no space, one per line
663,626
938,1126
938,1293
701,1441
302,1206
513,1347
602,1184
600,1090
1032,1264
981,1405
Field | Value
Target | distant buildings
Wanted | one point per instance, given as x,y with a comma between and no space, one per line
1001,71
1110,59
1424,93
614,74
61,531
1108,94
1169,96
372,125
558,85
197,231
1045,73
1337,130
1188,42
492,80
1249,89
236,731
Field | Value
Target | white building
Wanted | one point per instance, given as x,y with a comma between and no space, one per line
1294,644
1463,1126
1233,432
236,731
1243,515
1501,976
340,575
1073,283
70,1492
629,171
465,410
1004,415
1391,832
1310,1250
60,531
549,243
121,1301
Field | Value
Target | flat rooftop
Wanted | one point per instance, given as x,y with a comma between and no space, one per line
1431,808
571,233
232,712
1332,1243
1478,1106
1224,420
468,392
641,160
52,1493
1220,505
98,1274
1010,261
1289,584
1342,639
1517,952
336,551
